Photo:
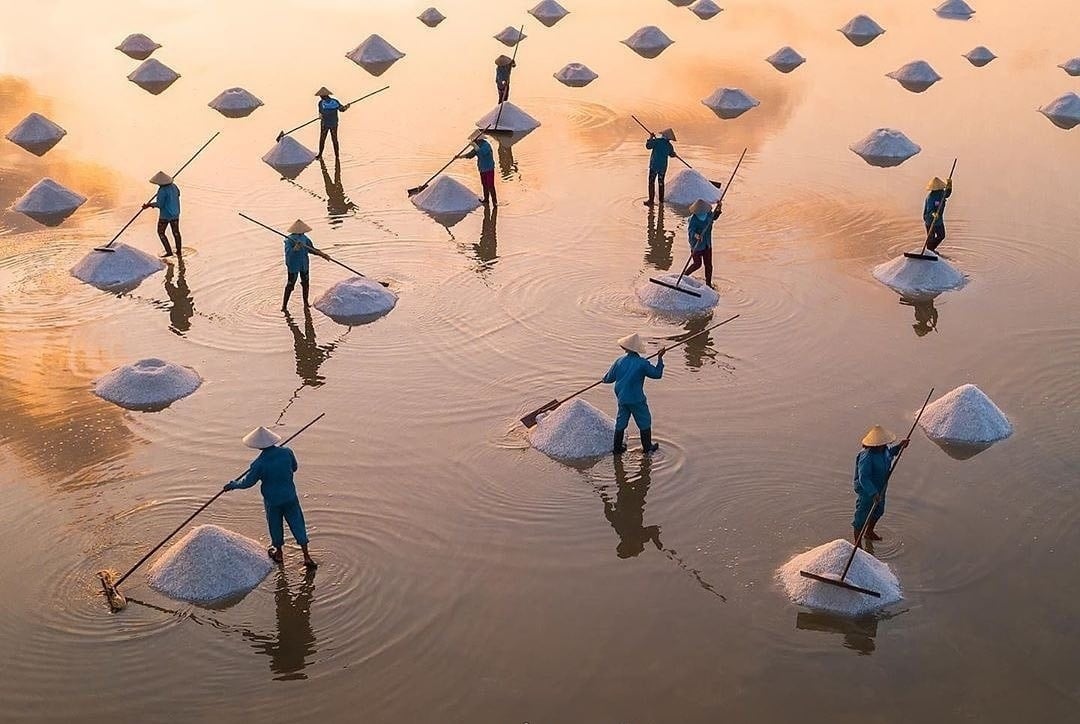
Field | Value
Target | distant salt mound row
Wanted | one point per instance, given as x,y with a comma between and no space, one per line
510,36
1063,111
375,55
235,103
549,12
356,300
979,56
574,431
885,147
446,197
919,278
648,42
689,186
431,17
829,560
955,10
664,299
965,416
137,46
148,385
289,157
1071,66
576,75
730,103
49,203
209,564
786,59
36,134
705,9
153,76
511,119
121,270
915,76
861,30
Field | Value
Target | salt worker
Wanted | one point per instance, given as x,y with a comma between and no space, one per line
167,202
274,468
934,211
328,118
699,229
485,164
503,67
662,148
297,248
628,373
872,467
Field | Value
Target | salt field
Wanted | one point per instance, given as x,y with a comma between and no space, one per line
470,569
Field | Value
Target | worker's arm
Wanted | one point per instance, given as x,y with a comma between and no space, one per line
253,475
656,371
610,376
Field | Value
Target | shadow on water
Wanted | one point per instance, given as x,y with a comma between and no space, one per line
926,315
338,205
486,250
310,355
182,304
293,645
859,634
660,240
508,167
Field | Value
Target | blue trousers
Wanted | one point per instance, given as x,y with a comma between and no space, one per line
935,235
292,514
863,504
640,412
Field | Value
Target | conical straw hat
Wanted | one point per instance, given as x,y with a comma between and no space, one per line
877,435
298,227
161,179
700,206
935,184
260,438
323,92
633,343
669,134
503,60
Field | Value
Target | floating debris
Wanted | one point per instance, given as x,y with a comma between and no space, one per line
786,59
705,9
153,76
375,55
730,103
915,76
446,197
919,279
49,203
208,565
289,157
574,431
979,56
965,416
861,30
431,17
885,147
36,134
1072,66
955,10
119,271
575,75
688,186
1063,111
235,103
357,300
829,560
510,37
648,42
138,46
148,385
549,12
512,119
664,299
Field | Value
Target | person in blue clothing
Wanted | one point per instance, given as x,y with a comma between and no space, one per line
328,118
503,67
934,211
699,229
485,163
662,148
297,248
274,468
628,373
872,467
167,202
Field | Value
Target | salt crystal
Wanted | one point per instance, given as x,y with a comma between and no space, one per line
575,75
137,46
511,119
861,30
36,133
786,59
829,560
919,278
289,157
210,564
574,431
648,42
355,301
885,147
965,416
431,17
915,76
730,102
705,9
149,384
446,196
121,270
1072,66
956,9
235,103
1063,111
510,37
153,76
979,56
549,12
49,203
688,186
664,299
375,55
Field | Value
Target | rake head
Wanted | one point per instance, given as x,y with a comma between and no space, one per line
675,287
529,420
116,600
839,583
917,255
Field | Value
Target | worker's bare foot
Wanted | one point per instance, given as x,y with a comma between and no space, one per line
275,554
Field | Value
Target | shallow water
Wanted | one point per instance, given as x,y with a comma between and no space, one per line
464,576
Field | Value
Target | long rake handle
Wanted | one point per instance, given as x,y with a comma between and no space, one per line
683,160
938,212
308,123
723,193
309,248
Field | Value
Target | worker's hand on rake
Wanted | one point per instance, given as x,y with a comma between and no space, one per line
905,442
231,485
660,354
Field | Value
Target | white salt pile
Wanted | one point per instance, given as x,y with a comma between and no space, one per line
915,76
549,12
49,203
956,9
829,560
431,17
510,37
235,103
885,147
861,30
648,42
664,299
36,133
786,59
153,76
375,55
511,119
965,416
121,270
1063,111
687,187
575,75
919,278
680,3
209,564
730,102
137,46
289,157
149,384
705,9
574,431
355,301
446,196
1071,66
979,56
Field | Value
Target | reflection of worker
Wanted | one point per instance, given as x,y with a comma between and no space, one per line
629,373
698,348
167,202
934,211
660,241
926,315
182,308
661,149
295,640
503,67
328,119
872,466
627,513
337,203
309,354
487,250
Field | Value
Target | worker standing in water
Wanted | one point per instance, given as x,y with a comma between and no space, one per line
167,202
699,229
661,148
485,163
628,373
934,211
503,67
297,263
328,119
872,466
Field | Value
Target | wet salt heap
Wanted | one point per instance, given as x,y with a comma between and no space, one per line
957,9
510,37
786,59
49,203
549,12
235,103
829,560
664,299
446,196
573,431
979,56
1071,66
687,187
153,76
861,30
120,270
919,278
965,416
355,301
511,119
375,55
149,384
209,564
915,76
137,46
885,147
730,102
648,42
36,134
705,9
1063,111
431,17
575,75
289,157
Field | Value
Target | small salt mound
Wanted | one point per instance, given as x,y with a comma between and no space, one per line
153,76
121,270
861,30
235,103
979,56
705,9
786,59
575,75
664,299
915,76
829,560
149,384
512,119
549,12
687,187
957,9
919,278
431,17
446,196
730,102
138,46
209,564
375,55
36,133
965,416
1072,66
49,203
680,3
574,431
289,157
510,37
648,42
885,147
355,301
1064,111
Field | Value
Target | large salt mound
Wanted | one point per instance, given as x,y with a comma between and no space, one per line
431,17
510,36
375,55
705,9
957,9
965,416
1071,66
574,431
575,75
49,203
446,196
786,59
1063,111
149,384
549,12
355,301
829,560
209,564
648,42
289,157
979,56
689,186
122,270
919,278
915,76
861,30
36,133
153,76
730,102
885,147
235,103
664,299
512,119
137,46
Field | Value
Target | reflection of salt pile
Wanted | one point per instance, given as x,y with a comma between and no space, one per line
915,76
979,56
289,157
49,203
137,46
209,564
149,384
957,9
36,133
356,300
965,416
919,278
786,59
235,103
511,119
829,560
1063,111
576,75
861,30
510,37
549,12
375,55
573,431
885,147
705,9
680,3
446,196
120,270
431,17
730,102
648,42
153,76
664,299
687,187
1072,66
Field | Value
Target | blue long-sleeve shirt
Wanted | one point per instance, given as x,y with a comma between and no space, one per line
933,200
328,111
662,149
274,468
296,253
696,226
872,470
502,72
485,157
629,373
168,202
